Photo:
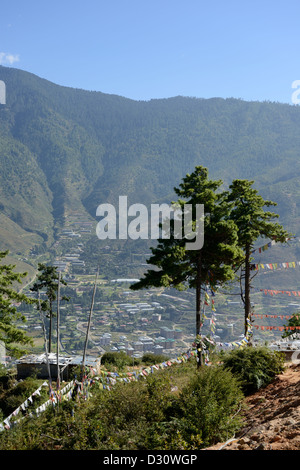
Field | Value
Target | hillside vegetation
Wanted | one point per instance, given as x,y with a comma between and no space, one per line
179,408
64,149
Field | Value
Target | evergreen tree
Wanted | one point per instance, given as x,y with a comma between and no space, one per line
253,222
212,264
12,337
48,279
292,323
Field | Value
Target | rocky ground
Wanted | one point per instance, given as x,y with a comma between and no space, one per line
272,417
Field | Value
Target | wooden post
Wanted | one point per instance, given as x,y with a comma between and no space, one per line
247,287
198,311
57,332
45,341
89,322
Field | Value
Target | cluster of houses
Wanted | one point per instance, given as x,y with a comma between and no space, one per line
138,313
39,364
77,225
72,259
161,344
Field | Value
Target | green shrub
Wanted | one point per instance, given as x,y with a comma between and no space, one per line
13,397
149,359
255,367
128,413
150,413
210,406
120,360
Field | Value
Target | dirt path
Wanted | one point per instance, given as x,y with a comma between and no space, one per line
272,417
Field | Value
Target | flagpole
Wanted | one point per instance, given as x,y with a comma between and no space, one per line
58,320
89,321
45,341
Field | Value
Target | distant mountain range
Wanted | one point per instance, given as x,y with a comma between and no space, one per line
65,149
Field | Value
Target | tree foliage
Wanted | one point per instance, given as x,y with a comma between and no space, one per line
213,264
141,415
48,280
293,322
254,367
13,337
253,222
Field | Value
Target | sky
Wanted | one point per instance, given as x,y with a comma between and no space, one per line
152,49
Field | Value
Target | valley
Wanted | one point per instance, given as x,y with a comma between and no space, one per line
157,321
64,151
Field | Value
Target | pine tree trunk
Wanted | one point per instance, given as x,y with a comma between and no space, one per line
58,333
247,287
50,328
198,308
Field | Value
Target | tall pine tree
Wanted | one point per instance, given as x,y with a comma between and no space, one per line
48,280
14,339
212,264
253,222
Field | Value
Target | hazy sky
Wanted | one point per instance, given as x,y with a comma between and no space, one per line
144,49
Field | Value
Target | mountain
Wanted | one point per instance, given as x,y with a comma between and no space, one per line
65,150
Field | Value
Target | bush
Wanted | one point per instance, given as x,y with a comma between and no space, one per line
128,413
149,359
145,414
255,367
209,406
14,396
120,360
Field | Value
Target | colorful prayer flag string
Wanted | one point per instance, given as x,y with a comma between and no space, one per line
274,266
276,292
269,244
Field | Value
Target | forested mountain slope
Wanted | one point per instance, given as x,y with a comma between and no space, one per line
65,149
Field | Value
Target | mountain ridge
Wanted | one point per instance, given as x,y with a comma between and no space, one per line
77,149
